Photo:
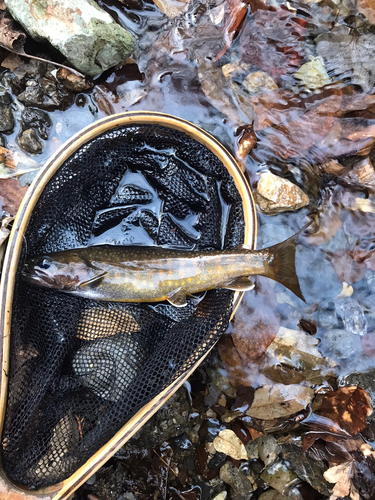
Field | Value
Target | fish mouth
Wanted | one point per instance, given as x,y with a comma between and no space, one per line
37,276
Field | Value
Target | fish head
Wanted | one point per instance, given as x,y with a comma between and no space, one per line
56,272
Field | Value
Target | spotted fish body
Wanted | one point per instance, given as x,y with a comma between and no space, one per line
153,274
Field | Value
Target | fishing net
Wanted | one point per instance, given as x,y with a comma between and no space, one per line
80,369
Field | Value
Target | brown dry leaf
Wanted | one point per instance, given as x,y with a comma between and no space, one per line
11,194
341,475
11,62
6,158
234,13
227,442
337,415
348,407
279,401
246,142
172,8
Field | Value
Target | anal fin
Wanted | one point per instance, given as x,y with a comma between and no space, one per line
177,297
239,284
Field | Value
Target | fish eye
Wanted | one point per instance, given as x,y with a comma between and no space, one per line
44,263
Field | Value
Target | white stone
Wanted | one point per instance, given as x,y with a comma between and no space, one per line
275,195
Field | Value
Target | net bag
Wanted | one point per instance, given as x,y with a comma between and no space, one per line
80,369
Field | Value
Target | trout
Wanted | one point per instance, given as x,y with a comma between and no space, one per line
153,274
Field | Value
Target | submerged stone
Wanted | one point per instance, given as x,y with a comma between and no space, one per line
37,119
29,141
6,113
87,36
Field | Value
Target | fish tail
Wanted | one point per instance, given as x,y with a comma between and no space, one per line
280,265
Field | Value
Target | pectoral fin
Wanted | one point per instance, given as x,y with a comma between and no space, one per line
95,280
239,284
177,298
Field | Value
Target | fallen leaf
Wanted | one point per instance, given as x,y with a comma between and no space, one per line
229,100
273,40
11,62
347,269
337,415
341,475
279,401
227,442
172,8
246,142
6,158
4,230
299,350
234,14
11,194
367,8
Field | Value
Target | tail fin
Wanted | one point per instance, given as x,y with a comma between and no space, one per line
280,265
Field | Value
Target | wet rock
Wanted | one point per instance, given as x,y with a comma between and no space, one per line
275,195
127,496
306,468
81,100
221,381
257,82
36,119
278,476
313,74
6,113
73,82
340,344
227,442
268,449
45,94
2,141
252,450
217,461
237,480
87,36
29,141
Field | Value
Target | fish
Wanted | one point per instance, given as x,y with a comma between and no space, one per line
155,274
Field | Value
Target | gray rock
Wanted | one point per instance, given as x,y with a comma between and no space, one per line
36,119
340,344
87,36
6,113
306,468
279,476
241,485
29,141
268,449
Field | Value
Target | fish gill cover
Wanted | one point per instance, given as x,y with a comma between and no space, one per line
79,369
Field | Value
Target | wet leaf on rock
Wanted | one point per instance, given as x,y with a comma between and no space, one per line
337,415
11,194
6,158
279,401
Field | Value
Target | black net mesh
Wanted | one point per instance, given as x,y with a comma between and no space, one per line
79,369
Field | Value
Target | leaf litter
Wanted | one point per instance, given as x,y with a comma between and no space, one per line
288,88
